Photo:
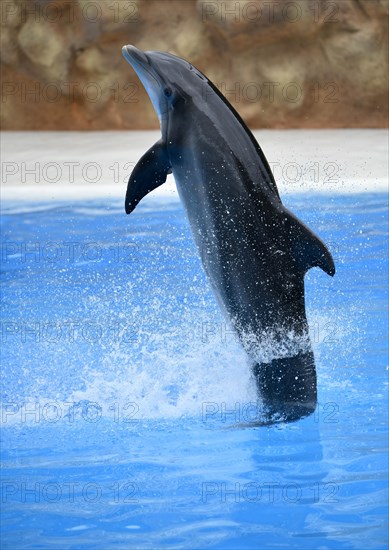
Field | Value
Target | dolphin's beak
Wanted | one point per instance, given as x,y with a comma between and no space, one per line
148,76
134,56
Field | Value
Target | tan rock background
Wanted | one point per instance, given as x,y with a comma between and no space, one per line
283,64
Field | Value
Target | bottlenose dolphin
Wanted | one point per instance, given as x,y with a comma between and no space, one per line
254,251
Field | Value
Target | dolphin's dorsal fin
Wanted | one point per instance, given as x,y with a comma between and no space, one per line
308,250
149,173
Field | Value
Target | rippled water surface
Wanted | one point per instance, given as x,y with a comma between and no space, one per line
122,387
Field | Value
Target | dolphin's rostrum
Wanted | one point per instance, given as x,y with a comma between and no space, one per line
254,251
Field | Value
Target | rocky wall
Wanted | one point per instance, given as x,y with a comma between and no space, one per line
282,64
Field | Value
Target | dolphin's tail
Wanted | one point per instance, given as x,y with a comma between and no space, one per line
287,387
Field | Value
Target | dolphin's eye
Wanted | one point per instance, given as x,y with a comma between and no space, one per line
167,92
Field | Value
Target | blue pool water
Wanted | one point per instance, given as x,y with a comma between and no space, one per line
122,387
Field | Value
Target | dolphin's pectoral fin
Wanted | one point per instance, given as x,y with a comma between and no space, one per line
308,250
149,173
